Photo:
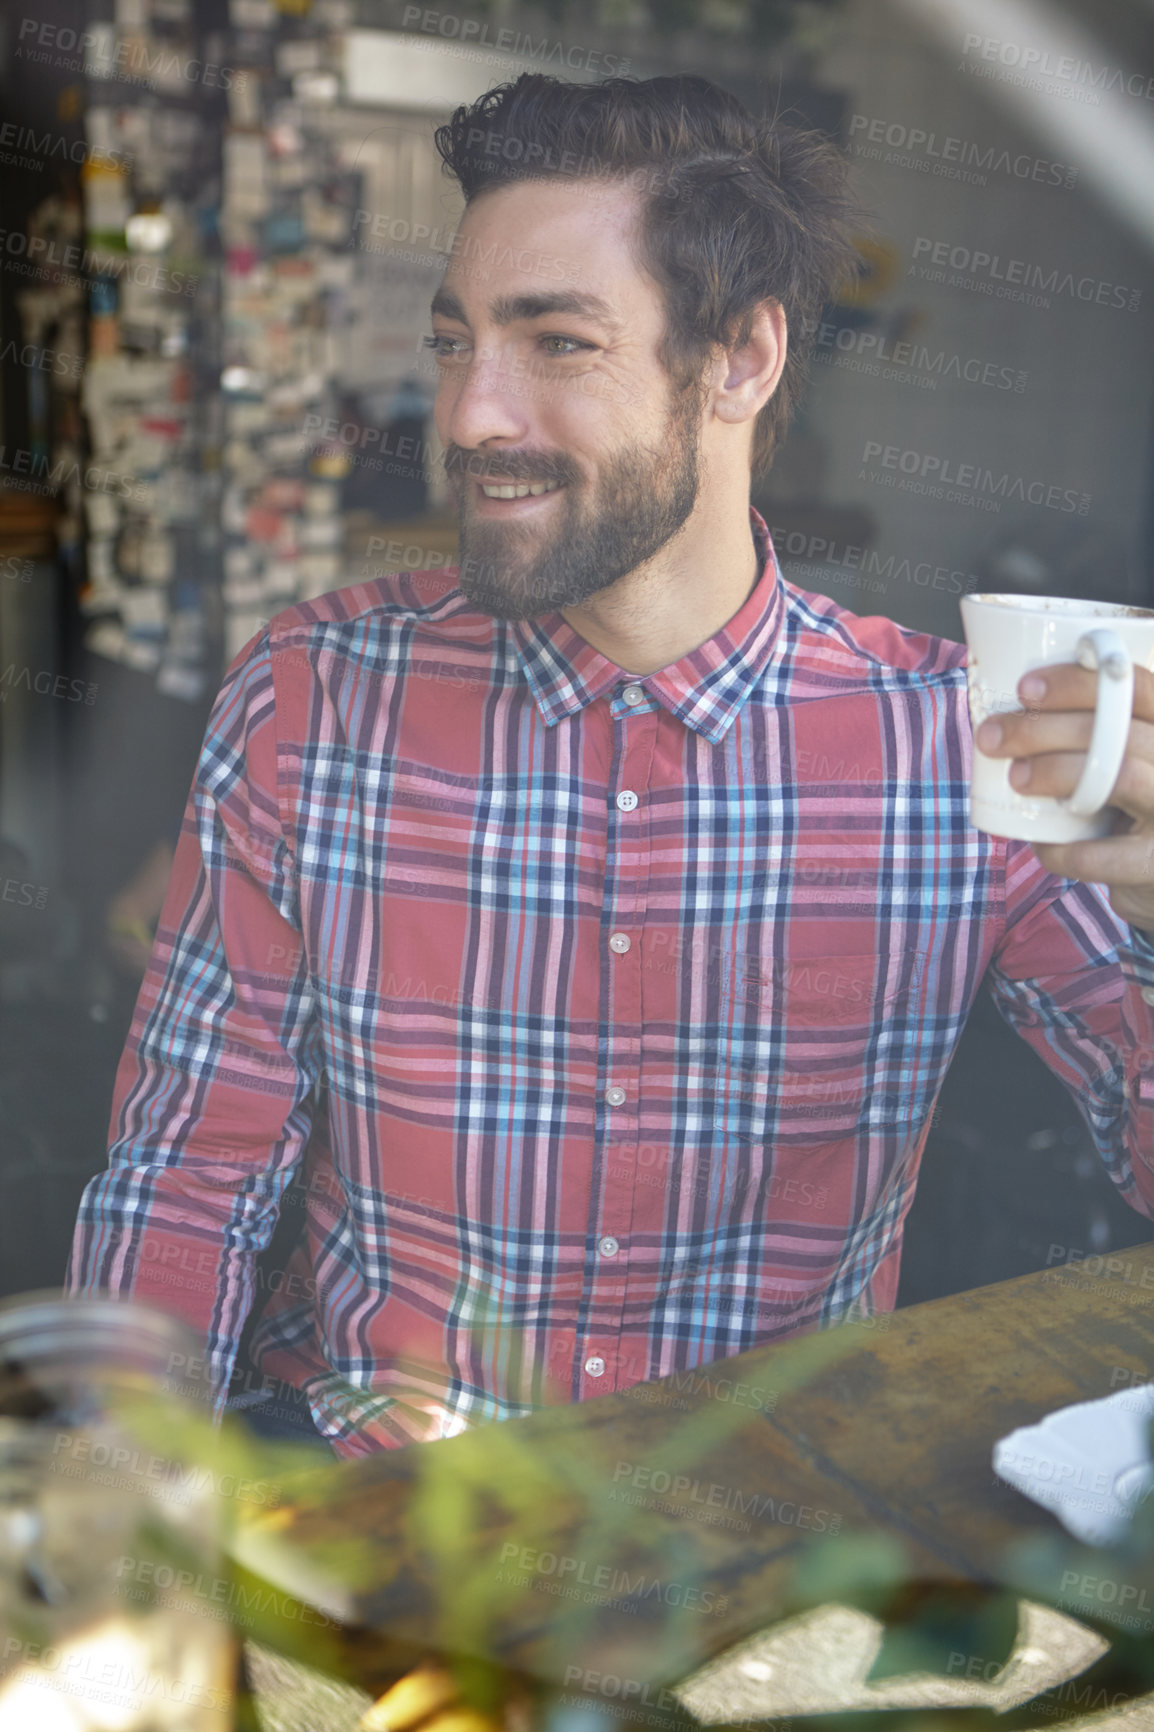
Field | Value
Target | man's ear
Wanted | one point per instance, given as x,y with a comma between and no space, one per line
748,370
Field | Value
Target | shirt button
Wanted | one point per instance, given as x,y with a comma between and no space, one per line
620,942
627,800
608,1247
615,1097
1148,995
633,695
595,1366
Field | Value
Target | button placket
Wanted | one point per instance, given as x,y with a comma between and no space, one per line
627,874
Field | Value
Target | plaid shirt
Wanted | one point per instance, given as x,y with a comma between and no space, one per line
601,1016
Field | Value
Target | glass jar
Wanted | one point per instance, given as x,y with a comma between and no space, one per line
113,1608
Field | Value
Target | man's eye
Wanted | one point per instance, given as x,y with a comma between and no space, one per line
445,348
573,344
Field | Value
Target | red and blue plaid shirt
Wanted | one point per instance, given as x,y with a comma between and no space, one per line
602,1016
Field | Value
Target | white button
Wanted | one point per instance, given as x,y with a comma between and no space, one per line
627,800
1148,995
620,942
633,695
608,1247
615,1097
595,1367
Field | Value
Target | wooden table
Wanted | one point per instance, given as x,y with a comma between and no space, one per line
892,1438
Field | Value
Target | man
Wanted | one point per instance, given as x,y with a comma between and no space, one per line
593,937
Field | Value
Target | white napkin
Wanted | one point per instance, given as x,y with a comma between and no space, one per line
1089,1463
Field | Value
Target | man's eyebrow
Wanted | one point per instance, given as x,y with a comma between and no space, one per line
507,309
448,306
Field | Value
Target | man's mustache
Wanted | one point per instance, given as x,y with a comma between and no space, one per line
510,465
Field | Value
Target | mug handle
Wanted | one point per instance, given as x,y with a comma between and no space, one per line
1103,649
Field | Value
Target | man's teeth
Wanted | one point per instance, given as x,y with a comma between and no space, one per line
519,489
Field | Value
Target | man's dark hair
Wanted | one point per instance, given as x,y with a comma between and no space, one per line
735,210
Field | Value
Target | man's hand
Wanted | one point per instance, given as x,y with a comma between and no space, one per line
1049,744
429,1699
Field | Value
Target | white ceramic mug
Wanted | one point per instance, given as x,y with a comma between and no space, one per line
1009,636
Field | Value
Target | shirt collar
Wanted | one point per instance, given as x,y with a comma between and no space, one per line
705,689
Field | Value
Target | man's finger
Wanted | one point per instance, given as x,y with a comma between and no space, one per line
1035,731
1066,686
1062,686
1057,774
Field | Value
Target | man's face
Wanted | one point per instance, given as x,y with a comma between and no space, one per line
546,331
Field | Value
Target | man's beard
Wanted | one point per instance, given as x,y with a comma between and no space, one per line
641,499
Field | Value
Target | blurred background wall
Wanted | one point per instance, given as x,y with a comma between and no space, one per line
221,225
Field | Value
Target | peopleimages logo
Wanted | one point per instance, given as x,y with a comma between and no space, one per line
445,242
599,1584
24,895
21,250
156,1582
1089,1698
628,1689
74,1453
711,1498
1040,63
44,145
48,478
59,45
868,351
967,483
451,27
42,360
113,1690
46,684
950,158
818,556
1017,279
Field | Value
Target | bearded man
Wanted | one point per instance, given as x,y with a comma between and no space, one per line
589,930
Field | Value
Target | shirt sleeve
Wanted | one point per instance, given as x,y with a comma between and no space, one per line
1077,983
212,1103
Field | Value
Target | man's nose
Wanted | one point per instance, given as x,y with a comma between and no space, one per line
485,404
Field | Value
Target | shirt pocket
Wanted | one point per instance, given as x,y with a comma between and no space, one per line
824,1044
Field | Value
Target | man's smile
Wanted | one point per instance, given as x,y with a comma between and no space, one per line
500,497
